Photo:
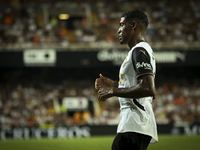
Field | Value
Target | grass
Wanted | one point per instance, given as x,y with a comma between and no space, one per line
166,142
178,142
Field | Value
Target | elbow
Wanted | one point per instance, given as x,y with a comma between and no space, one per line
152,92
149,90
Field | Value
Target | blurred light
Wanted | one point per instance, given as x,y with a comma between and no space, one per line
63,16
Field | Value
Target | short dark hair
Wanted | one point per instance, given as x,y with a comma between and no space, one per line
136,14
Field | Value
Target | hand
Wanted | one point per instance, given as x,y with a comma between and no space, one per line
104,93
102,80
109,82
104,87
98,83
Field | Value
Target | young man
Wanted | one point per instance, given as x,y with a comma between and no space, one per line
135,88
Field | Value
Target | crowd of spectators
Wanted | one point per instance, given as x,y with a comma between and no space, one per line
27,24
178,100
31,98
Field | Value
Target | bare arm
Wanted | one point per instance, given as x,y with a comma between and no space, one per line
145,87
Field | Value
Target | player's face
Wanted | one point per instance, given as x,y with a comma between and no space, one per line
124,31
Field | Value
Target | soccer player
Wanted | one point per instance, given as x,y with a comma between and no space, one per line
135,88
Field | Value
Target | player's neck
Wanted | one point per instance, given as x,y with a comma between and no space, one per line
140,38
132,44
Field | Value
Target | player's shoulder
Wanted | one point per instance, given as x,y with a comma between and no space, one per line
143,47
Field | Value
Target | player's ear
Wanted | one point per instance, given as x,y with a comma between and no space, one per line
133,25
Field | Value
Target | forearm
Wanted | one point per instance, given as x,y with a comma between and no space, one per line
133,92
140,90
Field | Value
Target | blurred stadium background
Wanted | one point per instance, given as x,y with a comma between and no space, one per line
51,52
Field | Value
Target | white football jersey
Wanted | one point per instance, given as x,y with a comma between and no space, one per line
137,114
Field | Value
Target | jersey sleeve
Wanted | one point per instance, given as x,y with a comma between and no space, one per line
141,62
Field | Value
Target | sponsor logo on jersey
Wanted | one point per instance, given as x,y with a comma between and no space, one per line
143,65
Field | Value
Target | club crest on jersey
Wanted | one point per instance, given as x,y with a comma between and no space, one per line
143,65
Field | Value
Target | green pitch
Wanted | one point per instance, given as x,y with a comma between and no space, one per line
166,142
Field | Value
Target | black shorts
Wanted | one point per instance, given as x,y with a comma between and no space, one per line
131,141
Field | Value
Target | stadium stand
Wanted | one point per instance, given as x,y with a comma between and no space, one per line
25,25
